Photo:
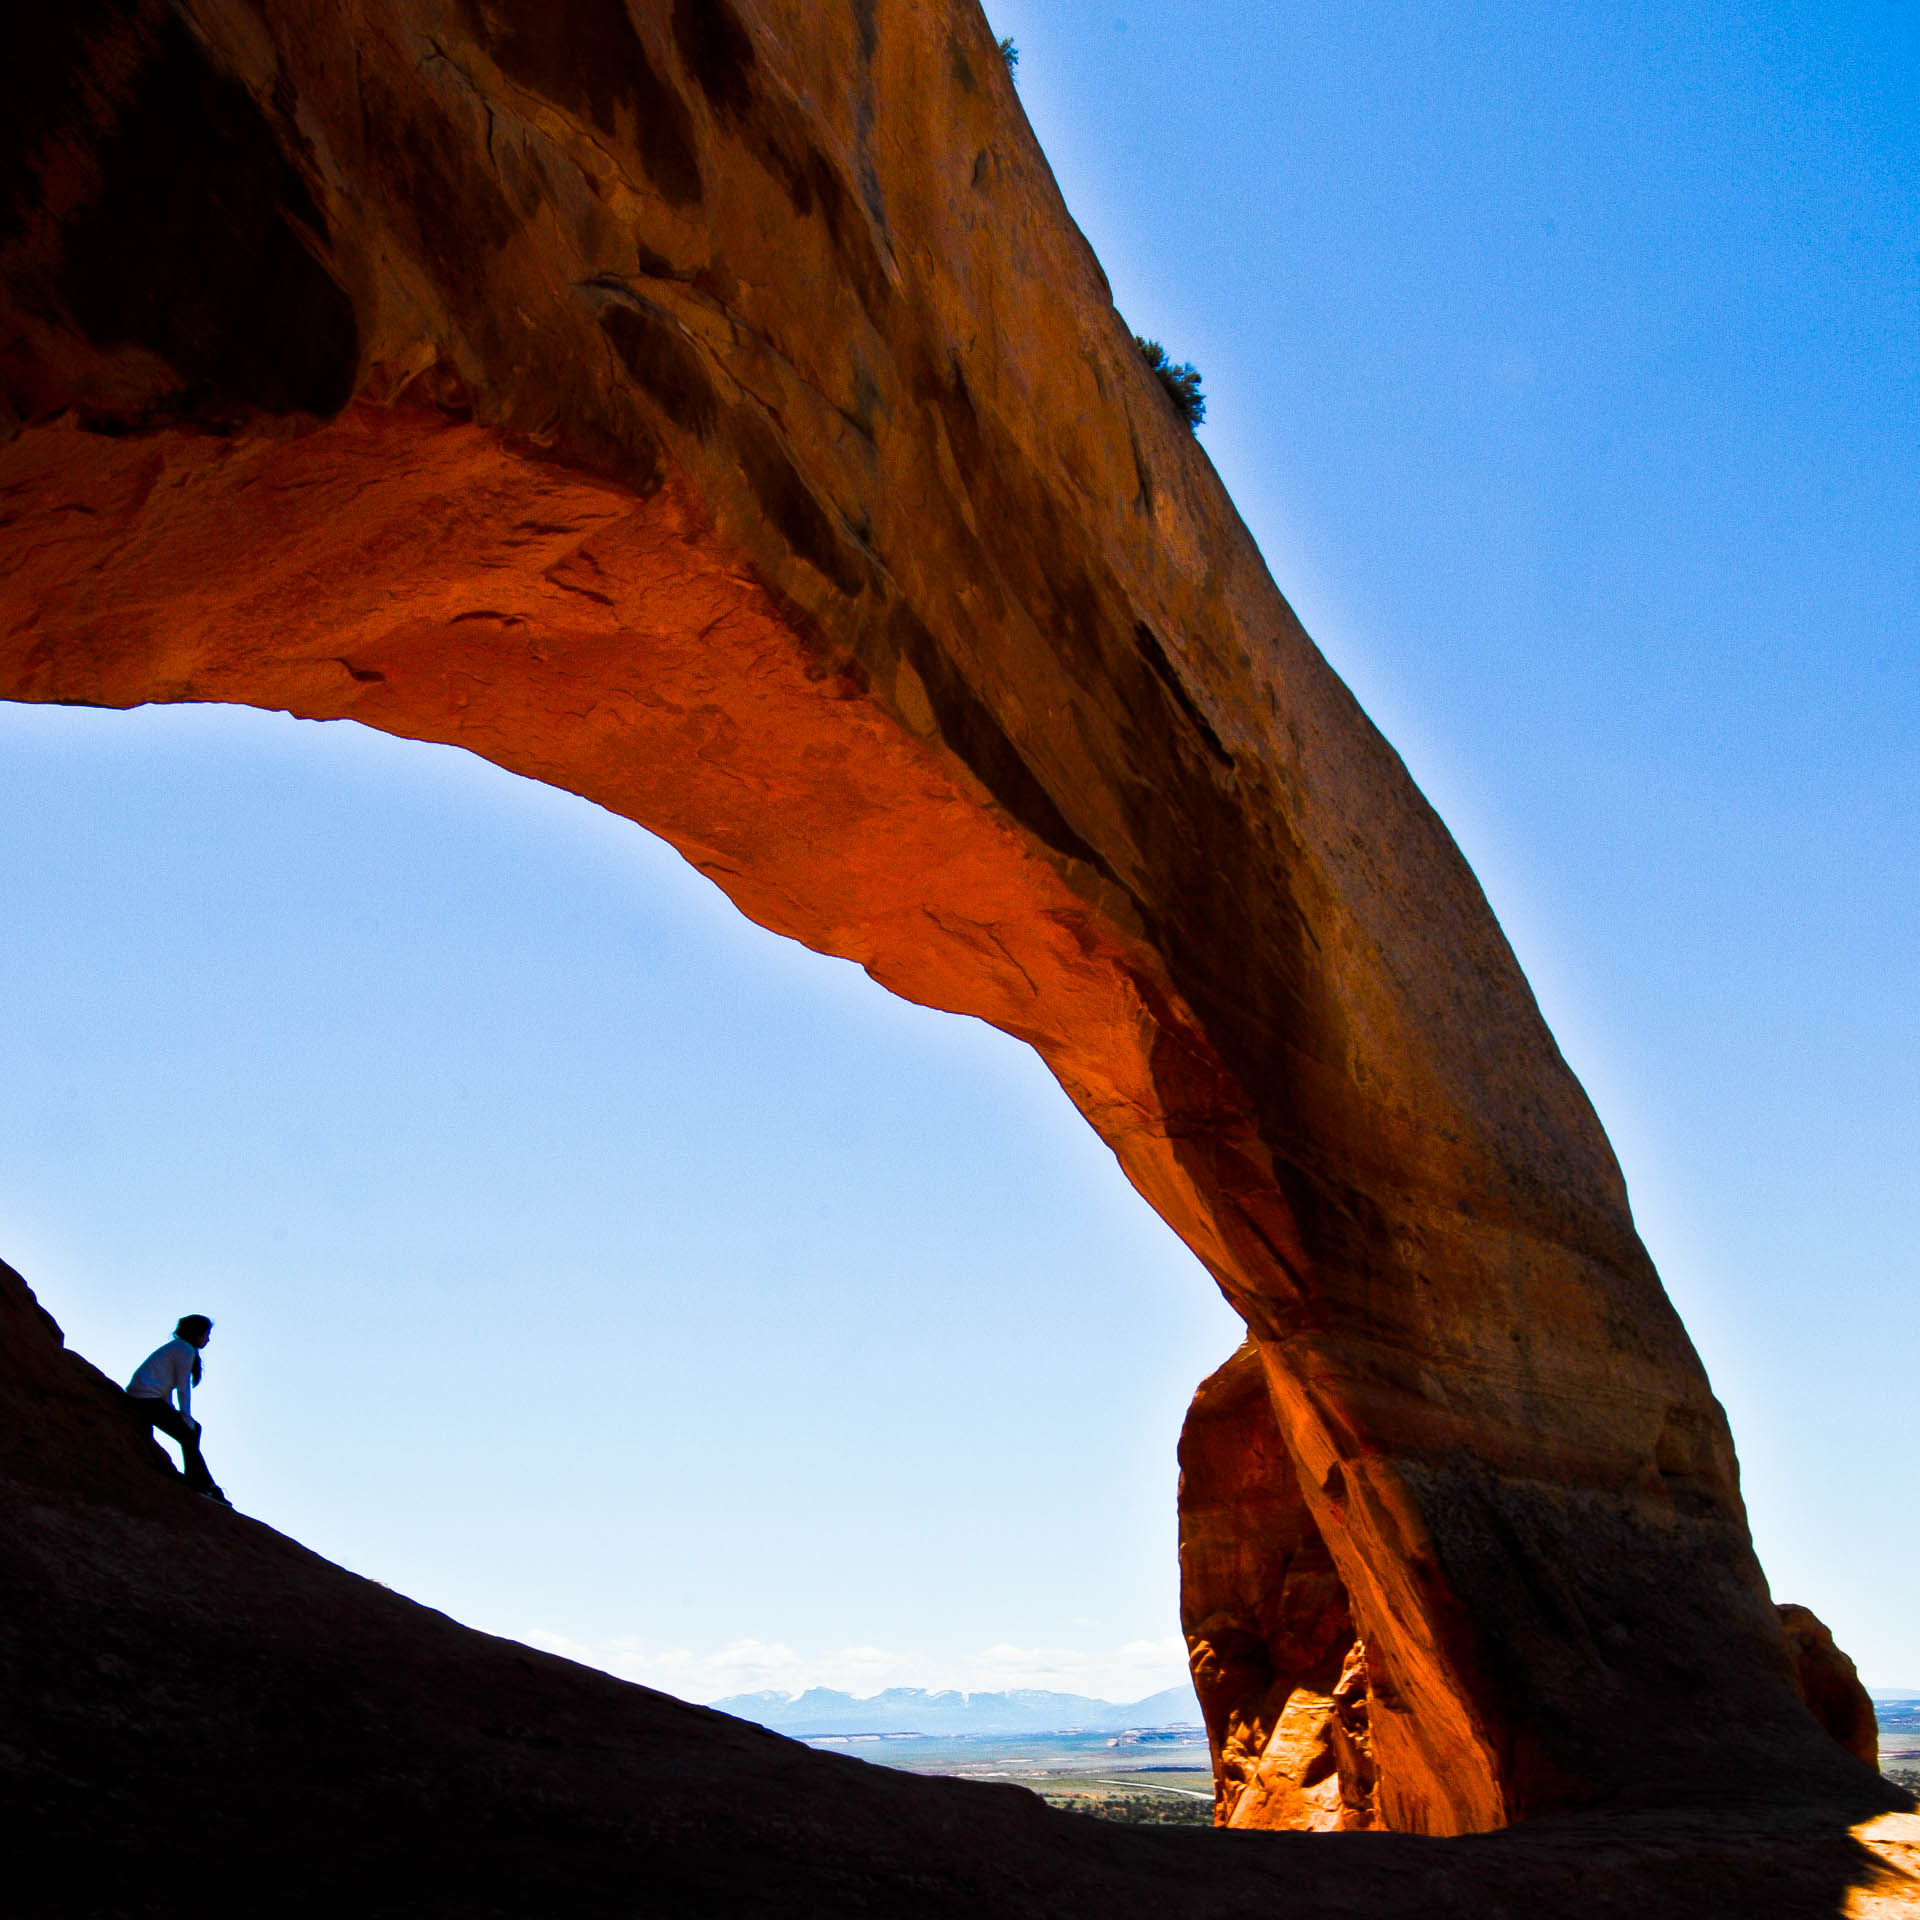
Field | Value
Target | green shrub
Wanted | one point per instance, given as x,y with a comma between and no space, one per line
1009,53
1181,383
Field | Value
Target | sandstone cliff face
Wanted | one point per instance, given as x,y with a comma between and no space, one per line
1279,1666
1276,1660
708,406
1829,1684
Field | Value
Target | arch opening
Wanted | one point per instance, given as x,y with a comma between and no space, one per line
751,1304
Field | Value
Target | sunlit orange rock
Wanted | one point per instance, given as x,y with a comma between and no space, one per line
1277,1665
1830,1684
708,406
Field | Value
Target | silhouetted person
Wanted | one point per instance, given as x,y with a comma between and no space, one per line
169,1374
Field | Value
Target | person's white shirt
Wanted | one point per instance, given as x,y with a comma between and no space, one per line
167,1373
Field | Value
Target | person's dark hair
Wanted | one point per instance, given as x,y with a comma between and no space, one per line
185,1327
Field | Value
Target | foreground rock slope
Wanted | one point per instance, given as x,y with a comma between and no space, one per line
198,1716
709,406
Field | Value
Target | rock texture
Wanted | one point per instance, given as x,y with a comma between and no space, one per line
709,406
1277,1662
1830,1685
1282,1673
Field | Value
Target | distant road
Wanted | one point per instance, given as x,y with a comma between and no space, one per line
1186,1793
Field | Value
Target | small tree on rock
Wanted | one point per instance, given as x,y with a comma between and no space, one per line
1181,383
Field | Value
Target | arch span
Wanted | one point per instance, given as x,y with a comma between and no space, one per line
711,408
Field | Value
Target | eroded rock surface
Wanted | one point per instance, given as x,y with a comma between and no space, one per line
708,406
1830,1684
1277,1663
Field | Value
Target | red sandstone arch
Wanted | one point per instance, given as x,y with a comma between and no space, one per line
710,408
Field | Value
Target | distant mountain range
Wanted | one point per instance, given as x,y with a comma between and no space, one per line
820,1710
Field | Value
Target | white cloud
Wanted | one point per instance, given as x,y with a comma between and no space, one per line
560,1644
865,1669
746,1666
1120,1673
1127,1672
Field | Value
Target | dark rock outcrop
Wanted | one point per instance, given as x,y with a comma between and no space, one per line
708,406
198,1716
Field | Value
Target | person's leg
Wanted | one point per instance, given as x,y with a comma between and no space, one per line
145,1412
170,1420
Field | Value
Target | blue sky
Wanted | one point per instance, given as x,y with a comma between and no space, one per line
596,1267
